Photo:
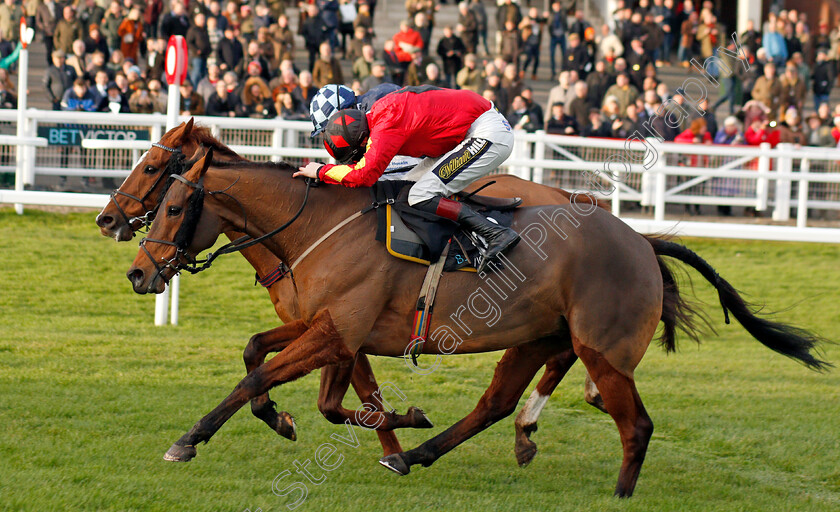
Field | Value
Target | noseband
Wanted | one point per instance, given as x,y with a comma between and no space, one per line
176,165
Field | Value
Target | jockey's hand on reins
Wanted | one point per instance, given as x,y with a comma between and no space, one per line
310,170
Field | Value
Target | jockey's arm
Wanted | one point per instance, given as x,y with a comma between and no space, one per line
382,148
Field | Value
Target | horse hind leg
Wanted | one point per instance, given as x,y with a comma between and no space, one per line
526,421
513,374
259,346
623,403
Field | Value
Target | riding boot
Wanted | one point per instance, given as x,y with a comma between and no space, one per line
498,238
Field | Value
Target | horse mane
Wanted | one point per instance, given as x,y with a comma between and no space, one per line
203,136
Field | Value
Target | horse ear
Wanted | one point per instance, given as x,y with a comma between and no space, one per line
188,126
198,169
208,159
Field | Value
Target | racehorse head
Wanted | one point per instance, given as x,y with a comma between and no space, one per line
180,232
140,192
133,205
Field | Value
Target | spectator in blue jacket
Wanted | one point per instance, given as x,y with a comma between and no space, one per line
80,98
774,44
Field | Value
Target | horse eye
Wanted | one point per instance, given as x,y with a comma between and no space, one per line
174,211
150,169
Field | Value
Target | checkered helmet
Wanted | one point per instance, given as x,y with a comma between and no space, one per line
328,100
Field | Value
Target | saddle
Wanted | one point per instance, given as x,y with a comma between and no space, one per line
431,240
421,237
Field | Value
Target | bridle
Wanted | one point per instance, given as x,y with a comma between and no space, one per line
186,232
176,165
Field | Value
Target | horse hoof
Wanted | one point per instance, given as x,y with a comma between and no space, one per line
286,426
396,464
525,452
177,453
419,418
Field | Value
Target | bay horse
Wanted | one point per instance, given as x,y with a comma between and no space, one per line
582,285
134,202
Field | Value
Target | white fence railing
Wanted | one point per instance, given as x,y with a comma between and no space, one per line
651,174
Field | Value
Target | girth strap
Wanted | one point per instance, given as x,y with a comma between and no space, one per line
425,303
273,276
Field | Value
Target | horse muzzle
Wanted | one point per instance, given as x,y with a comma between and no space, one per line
110,227
143,284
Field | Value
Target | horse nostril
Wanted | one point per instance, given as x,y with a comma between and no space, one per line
135,276
104,221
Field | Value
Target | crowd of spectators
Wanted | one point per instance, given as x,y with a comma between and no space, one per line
109,56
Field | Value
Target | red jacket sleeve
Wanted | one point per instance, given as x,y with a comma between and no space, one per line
382,147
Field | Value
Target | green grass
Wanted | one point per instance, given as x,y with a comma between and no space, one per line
92,395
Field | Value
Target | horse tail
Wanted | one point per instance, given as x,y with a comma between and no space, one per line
787,340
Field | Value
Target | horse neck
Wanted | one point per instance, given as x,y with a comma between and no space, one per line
263,260
268,198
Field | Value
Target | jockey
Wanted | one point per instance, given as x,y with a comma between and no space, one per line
331,98
459,134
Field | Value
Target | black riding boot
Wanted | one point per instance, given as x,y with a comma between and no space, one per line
498,238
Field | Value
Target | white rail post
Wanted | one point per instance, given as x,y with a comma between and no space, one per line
291,139
30,155
661,180
20,158
781,212
277,142
802,199
761,184
173,106
539,154
175,285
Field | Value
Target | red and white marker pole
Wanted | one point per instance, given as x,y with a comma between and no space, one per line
175,67
26,34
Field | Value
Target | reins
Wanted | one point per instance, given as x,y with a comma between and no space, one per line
194,266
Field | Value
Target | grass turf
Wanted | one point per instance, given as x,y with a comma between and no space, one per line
92,395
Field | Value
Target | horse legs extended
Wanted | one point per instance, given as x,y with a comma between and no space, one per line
625,406
334,382
363,380
320,345
526,421
513,374
274,340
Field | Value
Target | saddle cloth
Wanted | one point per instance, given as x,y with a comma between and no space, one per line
421,237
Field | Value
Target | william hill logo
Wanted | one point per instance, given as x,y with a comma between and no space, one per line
462,158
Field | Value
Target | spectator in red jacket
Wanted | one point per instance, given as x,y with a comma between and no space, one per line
695,134
406,42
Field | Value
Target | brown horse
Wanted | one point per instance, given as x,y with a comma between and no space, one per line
140,194
582,285
136,200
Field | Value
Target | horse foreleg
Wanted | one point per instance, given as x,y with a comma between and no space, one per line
526,421
335,380
259,346
320,345
513,374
